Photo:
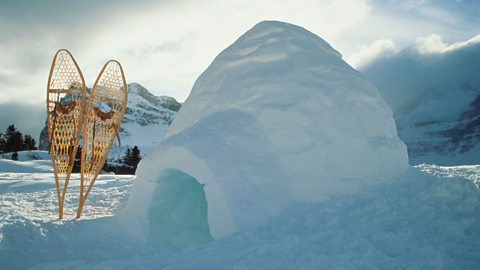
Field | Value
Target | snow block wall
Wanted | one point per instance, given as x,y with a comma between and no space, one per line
277,117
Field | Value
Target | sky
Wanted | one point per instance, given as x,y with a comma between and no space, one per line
429,75
165,45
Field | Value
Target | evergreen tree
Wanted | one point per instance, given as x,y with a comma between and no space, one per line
2,143
135,158
77,162
105,167
13,139
131,160
28,142
128,156
78,155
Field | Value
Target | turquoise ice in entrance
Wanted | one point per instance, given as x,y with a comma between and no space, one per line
178,212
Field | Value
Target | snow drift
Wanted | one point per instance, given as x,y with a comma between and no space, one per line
277,117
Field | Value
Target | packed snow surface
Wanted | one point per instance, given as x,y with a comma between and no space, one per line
278,117
426,218
29,162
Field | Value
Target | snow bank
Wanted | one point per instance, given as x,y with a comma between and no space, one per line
28,162
33,166
277,117
418,221
28,155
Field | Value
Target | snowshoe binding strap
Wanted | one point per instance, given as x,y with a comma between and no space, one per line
65,109
103,115
59,109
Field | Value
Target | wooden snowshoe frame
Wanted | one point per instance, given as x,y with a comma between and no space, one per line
65,84
105,109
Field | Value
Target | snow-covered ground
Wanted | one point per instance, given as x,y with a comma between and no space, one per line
427,218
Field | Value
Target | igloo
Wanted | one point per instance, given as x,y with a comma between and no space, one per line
278,117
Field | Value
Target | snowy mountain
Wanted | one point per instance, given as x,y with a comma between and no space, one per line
445,127
145,122
278,117
436,101
146,119
146,109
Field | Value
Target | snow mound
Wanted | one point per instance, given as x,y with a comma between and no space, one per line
28,162
418,221
278,117
28,155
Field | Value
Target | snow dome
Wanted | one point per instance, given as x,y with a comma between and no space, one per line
278,117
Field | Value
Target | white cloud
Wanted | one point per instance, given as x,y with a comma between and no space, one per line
434,44
367,54
193,33
461,44
405,77
409,4
431,44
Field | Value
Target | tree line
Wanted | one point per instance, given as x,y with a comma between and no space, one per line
13,141
126,165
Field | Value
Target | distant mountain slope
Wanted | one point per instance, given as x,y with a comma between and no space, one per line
146,120
436,101
145,109
445,127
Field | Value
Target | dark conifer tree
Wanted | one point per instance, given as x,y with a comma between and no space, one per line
28,142
77,162
2,143
135,157
13,139
128,156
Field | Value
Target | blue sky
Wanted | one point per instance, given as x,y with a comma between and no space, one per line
165,45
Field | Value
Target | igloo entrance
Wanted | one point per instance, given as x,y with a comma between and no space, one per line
178,212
